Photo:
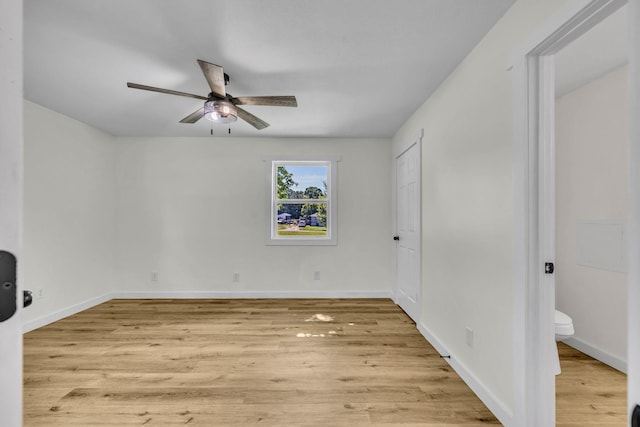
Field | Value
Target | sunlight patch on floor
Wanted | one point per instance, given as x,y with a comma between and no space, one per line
320,318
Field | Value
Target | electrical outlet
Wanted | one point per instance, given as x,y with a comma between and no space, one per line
316,275
236,277
469,336
154,276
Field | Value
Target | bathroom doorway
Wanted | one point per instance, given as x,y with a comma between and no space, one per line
534,285
591,144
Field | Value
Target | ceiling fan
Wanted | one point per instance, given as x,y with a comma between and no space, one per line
220,106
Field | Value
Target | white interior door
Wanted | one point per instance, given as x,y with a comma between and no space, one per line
10,201
408,230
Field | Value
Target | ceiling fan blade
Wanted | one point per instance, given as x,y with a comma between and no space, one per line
276,101
251,119
215,77
170,92
194,117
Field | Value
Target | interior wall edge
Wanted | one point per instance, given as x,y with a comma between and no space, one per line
633,321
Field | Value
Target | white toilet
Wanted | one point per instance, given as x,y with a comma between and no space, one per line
564,326
564,329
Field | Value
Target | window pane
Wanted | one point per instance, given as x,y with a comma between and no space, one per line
302,206
302,182
302,219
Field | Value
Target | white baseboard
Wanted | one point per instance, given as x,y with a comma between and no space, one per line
65,312
253,294
597,353
495,405
71,310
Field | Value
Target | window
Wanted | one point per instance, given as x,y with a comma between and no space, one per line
302,203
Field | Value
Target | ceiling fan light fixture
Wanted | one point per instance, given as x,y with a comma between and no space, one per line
220,111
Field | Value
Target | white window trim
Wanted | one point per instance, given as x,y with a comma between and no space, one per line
332,202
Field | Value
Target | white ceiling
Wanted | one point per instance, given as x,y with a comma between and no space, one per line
359,68
601,49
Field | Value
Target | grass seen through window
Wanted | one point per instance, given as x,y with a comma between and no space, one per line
291,230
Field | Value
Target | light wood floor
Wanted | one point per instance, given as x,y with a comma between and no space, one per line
268,362
241,363
588,392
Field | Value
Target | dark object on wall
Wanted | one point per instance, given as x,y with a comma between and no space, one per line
549,268
635,417
28,298
7,285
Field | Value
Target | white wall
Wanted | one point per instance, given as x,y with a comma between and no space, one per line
102,213
468,200
591,184
69,212
194,211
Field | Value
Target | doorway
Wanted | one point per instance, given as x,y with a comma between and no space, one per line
590,151
534,287
408,227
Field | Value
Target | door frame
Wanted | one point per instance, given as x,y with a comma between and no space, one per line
398,150
633,227
532,67
11,135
